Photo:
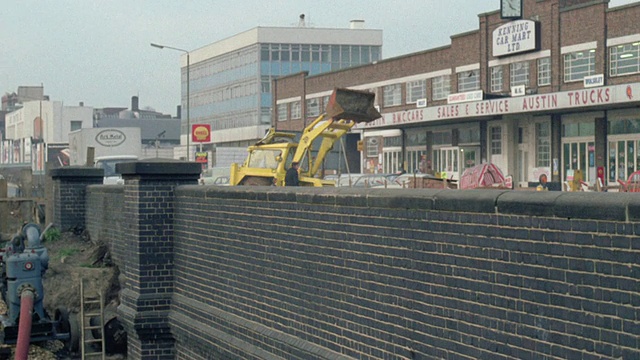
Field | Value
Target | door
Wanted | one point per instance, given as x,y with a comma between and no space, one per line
446,161
470,157
522,159
579,154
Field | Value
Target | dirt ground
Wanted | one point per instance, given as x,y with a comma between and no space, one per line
74,258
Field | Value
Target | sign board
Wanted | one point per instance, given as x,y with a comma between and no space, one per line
516,37
201,133
202,157
465,97
579,99
519,90
110,137
593,81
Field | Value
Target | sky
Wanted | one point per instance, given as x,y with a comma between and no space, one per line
98,51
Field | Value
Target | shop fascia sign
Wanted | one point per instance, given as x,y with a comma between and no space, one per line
516,37
572,99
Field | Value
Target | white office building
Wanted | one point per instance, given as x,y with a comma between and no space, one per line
230,80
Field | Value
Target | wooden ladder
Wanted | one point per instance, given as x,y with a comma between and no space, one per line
87,311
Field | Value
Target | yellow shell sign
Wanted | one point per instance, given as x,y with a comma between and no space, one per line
201,133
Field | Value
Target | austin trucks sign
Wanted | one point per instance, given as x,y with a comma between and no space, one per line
110,137
516,37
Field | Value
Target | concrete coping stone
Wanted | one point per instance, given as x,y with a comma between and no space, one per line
567,205
76,172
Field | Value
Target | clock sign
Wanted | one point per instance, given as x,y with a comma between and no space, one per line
511,9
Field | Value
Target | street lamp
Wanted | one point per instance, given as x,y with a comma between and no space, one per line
188,105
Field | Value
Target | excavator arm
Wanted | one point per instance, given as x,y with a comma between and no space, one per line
345,109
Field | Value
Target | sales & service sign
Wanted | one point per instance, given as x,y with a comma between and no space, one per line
516,37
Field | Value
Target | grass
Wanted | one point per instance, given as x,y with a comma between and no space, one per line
52,235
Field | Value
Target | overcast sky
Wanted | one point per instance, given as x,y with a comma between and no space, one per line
98,52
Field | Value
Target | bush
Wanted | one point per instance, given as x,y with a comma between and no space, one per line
52,235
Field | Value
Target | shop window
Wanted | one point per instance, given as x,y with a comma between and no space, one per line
392,141
469,80
544,71
296,112
496,79
496,140
469,135
392,95
579,64
416,90
282,112
440,87
313,107
519,73
624,126
624,59
543,145
441,138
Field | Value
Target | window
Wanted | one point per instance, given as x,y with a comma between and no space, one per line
392,95
265,83
496,140
496,79
296,112
313,107
76,125
282,112
579,64
543,145
416,90
325,102
544,71
469,80
372,146
441,87
624,59
519,74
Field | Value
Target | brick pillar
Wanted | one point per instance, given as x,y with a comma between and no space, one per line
147,284
69,189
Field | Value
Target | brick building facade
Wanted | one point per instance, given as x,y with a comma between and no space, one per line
553,92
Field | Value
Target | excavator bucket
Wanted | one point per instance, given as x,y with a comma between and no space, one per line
352,105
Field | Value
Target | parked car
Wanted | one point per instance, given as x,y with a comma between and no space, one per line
374,180
343,179
215,176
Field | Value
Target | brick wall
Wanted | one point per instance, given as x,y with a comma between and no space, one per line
281,273
409,274
69,186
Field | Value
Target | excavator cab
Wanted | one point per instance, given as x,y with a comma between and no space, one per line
346,108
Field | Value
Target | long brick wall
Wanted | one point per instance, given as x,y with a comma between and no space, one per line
299,273
414,274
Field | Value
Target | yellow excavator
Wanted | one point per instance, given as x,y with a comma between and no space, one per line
269,158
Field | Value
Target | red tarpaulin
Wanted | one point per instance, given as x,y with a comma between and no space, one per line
481,176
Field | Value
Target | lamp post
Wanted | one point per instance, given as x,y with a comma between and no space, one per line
188,105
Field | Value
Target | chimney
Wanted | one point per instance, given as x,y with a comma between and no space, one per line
356,24
81,103
178,112
134,103
301,22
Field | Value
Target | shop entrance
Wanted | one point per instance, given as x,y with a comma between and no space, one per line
579,155
446,160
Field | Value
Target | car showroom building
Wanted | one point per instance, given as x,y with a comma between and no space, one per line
553,91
